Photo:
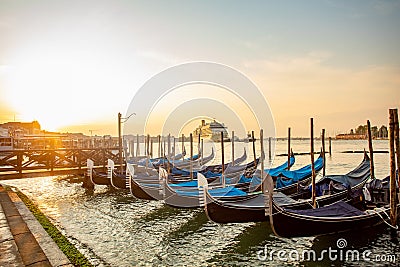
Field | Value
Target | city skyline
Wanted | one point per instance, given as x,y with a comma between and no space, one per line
73,66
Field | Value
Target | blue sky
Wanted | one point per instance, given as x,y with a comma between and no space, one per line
337,61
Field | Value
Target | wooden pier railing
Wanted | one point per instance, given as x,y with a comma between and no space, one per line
30,163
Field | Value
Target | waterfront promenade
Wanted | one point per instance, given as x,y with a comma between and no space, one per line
23,241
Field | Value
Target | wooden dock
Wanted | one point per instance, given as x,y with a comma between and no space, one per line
18,163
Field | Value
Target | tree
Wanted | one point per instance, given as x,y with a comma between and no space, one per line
374,131
361,129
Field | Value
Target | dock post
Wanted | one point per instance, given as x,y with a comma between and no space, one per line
103,157
151,148
137,146
165,148
19,162
269,148
159,146
132,148
330,146
233,148
262,154
169,146
52,160
198,145
371,151
183,143
323,151
313,193
121,165
145,145
397,146
162,147
169,153
173,148
148,145
223,159
78,160
254,149
191,156
393,119
202,152
288,152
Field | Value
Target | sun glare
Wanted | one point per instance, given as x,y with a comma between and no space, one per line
52,87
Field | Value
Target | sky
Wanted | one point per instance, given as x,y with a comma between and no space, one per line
73,65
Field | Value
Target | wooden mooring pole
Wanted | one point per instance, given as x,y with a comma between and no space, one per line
151,148
198,144
148,145
132,148
269,148
397,146
254,149
174,150
393,120
223,159
159,146
183,143
262,154
288,152
323,151
313,193
371,151
137,146
120,157
169,145
330,146
233,148
191,156
202,152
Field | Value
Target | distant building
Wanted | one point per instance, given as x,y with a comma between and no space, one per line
361,132
383,132
28,135
21,128
351,136
211,130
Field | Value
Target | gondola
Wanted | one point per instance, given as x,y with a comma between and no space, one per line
144,160
97,178
286,181
232,175
147,186
213,169
252,209
149,175
142,190
180,196
337,217
195,162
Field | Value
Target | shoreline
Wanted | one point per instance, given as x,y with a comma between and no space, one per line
42,228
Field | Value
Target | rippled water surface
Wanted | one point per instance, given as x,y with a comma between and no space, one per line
113,228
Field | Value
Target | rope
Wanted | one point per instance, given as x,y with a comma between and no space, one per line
376,211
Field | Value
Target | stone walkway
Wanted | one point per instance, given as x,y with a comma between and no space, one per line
23,241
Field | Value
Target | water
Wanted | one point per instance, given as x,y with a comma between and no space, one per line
112,228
